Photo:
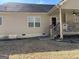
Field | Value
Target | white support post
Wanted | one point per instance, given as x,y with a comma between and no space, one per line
51,33
61,23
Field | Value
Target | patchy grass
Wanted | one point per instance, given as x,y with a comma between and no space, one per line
48,55
39,49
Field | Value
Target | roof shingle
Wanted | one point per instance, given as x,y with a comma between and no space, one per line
21,7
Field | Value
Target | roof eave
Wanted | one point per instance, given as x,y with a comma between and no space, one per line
57,6
24,12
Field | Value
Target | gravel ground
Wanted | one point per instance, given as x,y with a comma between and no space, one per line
37,49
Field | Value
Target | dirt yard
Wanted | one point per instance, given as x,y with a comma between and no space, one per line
38,49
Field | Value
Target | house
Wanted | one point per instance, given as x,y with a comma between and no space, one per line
31,20
65,14
24,20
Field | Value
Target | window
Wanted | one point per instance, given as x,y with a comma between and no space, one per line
0,20
30,22
37,22
33,21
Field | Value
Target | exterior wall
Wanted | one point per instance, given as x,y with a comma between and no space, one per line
55,15
15,23
52,32
71,4
68,19
73,21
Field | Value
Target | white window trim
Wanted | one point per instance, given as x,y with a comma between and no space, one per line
34,20
1,20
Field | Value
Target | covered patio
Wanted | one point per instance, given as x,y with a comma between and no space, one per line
67,15
68,20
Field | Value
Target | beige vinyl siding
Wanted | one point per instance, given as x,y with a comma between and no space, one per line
70,17
73,21
16,23
71,4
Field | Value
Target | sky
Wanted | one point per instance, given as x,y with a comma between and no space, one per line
31,1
